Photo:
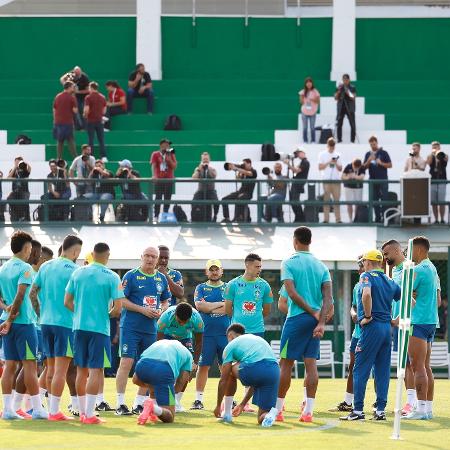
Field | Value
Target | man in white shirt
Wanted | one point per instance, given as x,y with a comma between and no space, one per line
82,165
331,170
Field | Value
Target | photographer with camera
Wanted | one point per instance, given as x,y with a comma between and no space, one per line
378,161
206,191
101,191
297,188
346,105
81,82
64,108
245,171
83,166
278,187
352,175
140,85
131,190
415,161
58,189
20,191
164,163
331,170
437,161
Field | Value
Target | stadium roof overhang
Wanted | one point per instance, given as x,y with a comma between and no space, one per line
191,247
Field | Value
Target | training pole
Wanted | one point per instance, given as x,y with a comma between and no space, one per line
404,328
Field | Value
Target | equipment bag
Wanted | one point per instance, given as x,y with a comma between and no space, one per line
180,214
268,152
173,123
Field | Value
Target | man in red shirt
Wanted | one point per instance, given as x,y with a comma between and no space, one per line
94,110
117,101
64,107
163,163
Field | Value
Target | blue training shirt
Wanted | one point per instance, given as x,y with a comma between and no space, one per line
215,324
146,290
383,291
177,278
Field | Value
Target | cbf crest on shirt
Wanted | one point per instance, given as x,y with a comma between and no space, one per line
248,298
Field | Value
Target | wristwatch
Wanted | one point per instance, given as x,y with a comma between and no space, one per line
367,317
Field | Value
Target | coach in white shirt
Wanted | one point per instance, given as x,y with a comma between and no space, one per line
331,168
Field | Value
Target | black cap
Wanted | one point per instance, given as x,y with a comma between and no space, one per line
165,140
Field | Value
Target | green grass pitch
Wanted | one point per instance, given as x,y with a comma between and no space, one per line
199,430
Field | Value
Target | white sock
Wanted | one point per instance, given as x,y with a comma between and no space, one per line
309,405
27,402
429,406
120,399
54,404
82,404
421,406
139,400
7,399
227,405
157,409
178,397
305,394
42,393
36,402
411,396
348,398
199,396
90,405
100,398
280,403
17,401
74,401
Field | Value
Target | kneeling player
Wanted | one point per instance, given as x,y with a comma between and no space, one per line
256,367
164,367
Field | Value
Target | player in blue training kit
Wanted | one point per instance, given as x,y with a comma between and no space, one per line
18,330
347,403
393,255
174,277
248,358
146,295
47,296
375,295
308,285
89,294
182,323
209,300
424,319
164,367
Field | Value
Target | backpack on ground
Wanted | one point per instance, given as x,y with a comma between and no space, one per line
361,214
268,152
173,123
180,214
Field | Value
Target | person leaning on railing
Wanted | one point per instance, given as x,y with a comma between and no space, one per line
206,191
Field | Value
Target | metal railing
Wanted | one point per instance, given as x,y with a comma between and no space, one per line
136,201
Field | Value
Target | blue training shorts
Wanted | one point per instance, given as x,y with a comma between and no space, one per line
58,341
91,350
425,332
297,341
353,344
159,375
133,343
21,343
264,377
40,354
212,346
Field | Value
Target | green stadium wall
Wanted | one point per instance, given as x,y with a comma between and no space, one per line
403,49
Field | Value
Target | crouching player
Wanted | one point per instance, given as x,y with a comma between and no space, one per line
163,368
250,359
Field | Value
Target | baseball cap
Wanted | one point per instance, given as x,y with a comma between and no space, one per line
373,255
125,163
213,262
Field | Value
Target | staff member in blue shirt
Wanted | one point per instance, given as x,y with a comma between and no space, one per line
424,318
375,294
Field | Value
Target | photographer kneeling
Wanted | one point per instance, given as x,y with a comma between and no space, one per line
244,171
101,191
20,171
278,187
131,190
58,190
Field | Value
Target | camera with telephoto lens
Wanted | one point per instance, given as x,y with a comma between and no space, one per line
85,158
228,166
266,171
411,154
61,163
124,174
440,156
171,150
205,166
